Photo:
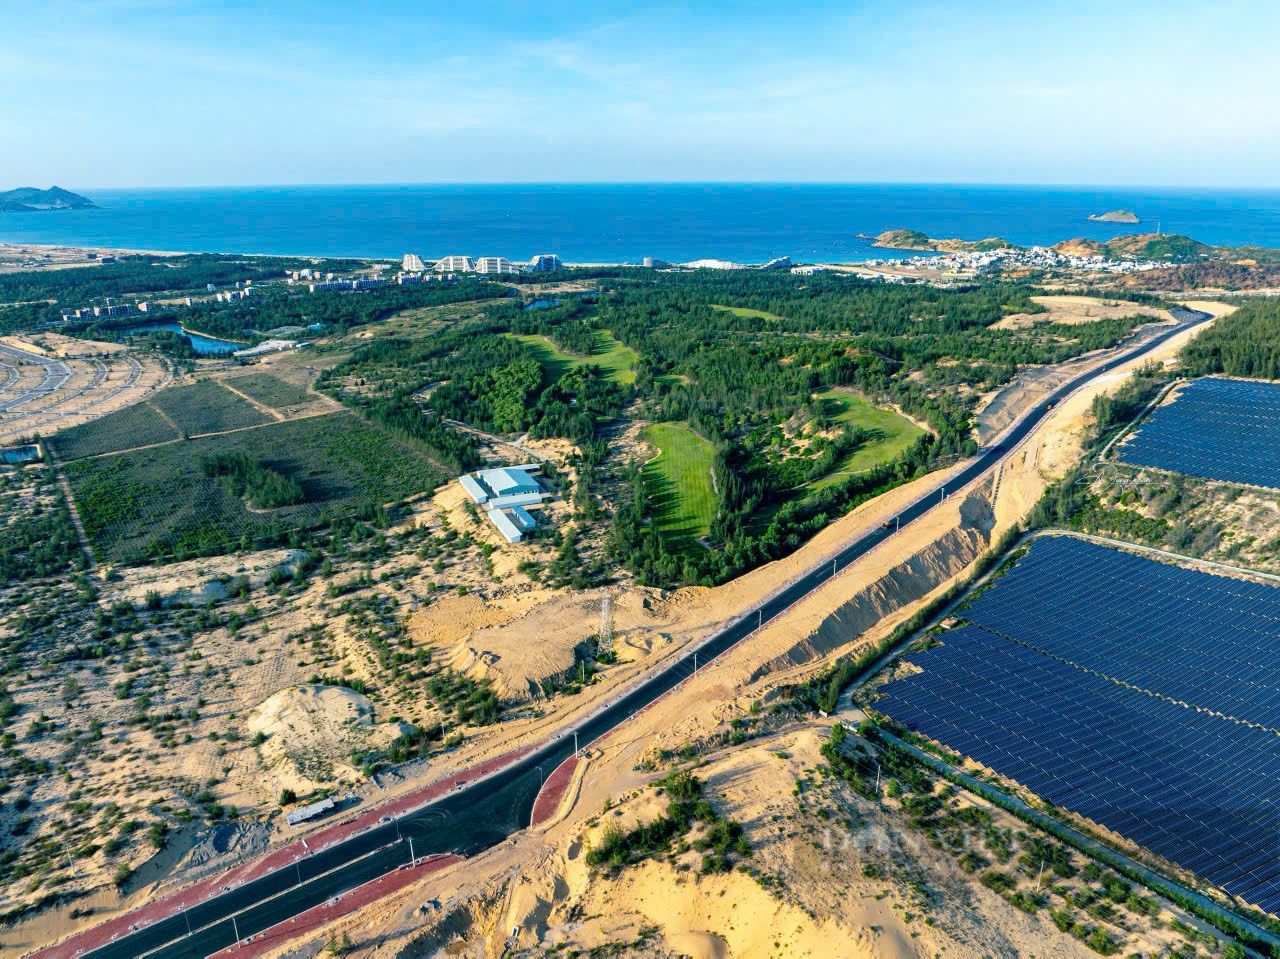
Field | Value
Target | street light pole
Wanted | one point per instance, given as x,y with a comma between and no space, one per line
183,907
236,929
412,858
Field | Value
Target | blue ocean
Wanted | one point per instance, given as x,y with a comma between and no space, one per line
749,223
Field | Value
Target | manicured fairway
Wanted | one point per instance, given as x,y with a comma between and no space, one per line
894,433
746,311
679,482
618,361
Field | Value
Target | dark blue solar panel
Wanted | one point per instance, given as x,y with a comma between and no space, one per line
1203,639
1219,429
1106,683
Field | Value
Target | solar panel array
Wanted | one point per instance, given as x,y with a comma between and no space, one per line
1217,429
1103,682
1194,637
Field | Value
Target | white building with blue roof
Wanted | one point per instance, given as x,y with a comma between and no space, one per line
505,493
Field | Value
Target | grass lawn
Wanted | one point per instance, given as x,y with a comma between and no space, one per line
894,433
679,482
618,361
746,311
419,321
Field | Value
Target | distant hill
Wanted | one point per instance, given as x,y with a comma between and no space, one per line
1173,247
1156,246
915,240
1080,247
29,199
1140,246
1115,216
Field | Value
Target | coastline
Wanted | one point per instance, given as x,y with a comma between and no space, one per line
9,245
60,249
616,224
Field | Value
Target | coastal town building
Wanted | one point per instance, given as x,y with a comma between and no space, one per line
412,263
267,346
1014,258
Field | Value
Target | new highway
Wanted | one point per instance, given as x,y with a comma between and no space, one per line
476,817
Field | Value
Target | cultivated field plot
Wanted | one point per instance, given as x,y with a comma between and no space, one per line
201,408
270,390
1217,429
1125,690
158,502
206,407
139,425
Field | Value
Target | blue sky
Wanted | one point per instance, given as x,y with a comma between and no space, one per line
171,93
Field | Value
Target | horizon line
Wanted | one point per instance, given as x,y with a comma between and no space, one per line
445,184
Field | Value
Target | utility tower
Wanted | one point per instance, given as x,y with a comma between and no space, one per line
604,643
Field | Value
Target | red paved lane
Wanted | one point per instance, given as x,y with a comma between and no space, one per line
552,791
206,889
318,916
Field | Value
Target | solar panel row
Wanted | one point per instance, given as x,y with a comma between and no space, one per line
1203,639
1026,692
1215,428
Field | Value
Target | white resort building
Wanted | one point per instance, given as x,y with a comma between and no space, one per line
544,263
455,264
494,265
505,494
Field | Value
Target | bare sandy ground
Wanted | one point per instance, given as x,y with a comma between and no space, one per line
515,631
861,604
103,378
830,874
311,733
1072,309
998,410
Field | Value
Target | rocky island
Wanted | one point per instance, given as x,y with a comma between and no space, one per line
1115,216
915,240
30,199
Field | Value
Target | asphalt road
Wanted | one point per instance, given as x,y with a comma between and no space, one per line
55,374
473,819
